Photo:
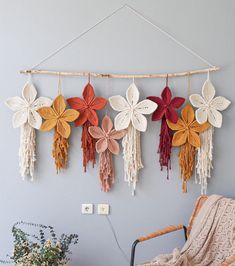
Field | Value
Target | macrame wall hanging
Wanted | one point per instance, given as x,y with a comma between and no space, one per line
27,118
187,138
57,117
166,110
106,146
208,110
131,117
88,117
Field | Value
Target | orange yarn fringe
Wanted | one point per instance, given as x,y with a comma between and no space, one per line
88,146
60,151
186,160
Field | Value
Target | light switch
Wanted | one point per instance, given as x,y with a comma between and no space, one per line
87,208
103,209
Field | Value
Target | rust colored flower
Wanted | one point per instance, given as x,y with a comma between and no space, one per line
87,108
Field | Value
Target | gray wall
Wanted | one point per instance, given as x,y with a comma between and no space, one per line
30,30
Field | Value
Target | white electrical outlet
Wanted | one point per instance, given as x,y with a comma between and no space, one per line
87,208
103,209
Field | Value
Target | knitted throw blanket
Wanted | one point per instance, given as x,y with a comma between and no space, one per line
212,239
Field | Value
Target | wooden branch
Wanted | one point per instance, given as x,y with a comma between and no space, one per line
119,76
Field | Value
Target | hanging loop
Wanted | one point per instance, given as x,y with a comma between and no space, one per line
89,77
59,84
133,79
167,77
208,75
189,85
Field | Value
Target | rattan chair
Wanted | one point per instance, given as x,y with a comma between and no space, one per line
201,200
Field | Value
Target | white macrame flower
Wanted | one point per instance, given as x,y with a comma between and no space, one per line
208,106
208,110
27,117
130,110
132,117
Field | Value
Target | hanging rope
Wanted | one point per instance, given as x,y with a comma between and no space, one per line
142,17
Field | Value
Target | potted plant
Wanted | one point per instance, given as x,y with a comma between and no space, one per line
41,249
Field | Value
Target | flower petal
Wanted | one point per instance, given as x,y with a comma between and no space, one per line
166,95
220,103
208,91
132,94
215,117
19,118
139,121
197,100
179,138
96,132
159,113
119,103
47,113
63,128
77,103
15,103
107,124
180,125
194,139
41,102
29,92
88,93
34,119
98,103
113,146
48,124
101,145
201,115
122,120
146,107
187,114
157,100
195,126
117,134
59,104
177,102
70,115
82,118
171,114
92,117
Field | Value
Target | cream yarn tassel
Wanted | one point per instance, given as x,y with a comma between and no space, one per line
132,156
204,159
27,150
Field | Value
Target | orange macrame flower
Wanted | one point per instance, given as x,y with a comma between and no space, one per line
57,117
87,106
88,117
187,137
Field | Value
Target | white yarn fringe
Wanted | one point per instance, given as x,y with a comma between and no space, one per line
132,156
204,159
27,156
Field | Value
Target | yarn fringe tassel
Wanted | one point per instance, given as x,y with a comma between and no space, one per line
164,148
88,146
186,160
60,151
132,156
204,159
27,151
106,170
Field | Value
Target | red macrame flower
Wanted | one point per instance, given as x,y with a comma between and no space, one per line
88,117
166,106
166,110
